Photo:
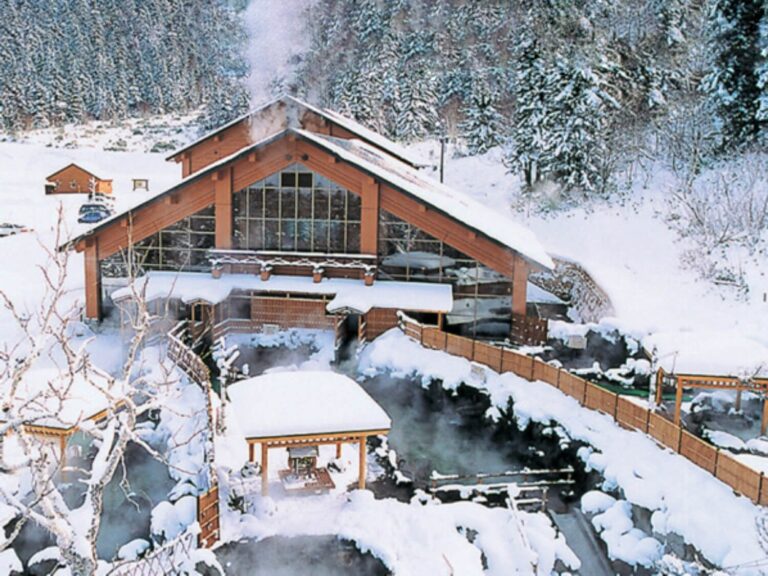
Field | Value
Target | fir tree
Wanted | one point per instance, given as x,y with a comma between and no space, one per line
734,81
483,126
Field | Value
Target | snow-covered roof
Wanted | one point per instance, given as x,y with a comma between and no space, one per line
301,403
709,353
288,117
459,206
348,293
53,400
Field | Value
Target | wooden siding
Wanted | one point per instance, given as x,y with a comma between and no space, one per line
291,313
378,321
81,179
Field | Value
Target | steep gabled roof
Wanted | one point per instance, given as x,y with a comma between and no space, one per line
60,170
456,205
290,109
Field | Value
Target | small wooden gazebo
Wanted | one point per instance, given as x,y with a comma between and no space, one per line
56,405
305,409
709,361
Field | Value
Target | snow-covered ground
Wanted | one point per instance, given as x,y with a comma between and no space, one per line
629,251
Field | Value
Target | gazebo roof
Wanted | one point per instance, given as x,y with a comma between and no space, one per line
304,403
709,353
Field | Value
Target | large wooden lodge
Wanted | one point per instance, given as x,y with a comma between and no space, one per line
292,216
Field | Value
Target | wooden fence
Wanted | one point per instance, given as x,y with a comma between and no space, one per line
168,559
721,463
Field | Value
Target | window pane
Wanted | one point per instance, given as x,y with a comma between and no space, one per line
255,202
304,234
320,236
288,204
321,205
240,234
271,240
338,204
305,179
353,207
353,238
288,179
239,202
255,234
305,204
337,237
288,235
271,202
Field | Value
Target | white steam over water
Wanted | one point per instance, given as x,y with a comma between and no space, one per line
278,36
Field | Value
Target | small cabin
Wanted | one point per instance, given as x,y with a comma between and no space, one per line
74,179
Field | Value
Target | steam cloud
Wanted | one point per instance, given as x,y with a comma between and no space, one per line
278,36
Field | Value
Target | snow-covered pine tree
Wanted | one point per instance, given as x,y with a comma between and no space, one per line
762,72
733,81
576,127
528,146
483,125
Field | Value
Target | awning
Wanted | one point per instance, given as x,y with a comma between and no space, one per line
348,294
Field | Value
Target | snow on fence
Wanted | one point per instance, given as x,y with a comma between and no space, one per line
742,478
186,358
168,559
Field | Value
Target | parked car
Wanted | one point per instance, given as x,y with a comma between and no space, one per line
92,213
8,229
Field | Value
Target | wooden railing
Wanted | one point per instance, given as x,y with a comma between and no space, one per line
186,358
168,559
721,463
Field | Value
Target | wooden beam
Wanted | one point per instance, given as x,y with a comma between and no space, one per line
519,287
678,400
223,209
764,419
362,467
338,450
659,386
264,469
92,282
369,227
251,452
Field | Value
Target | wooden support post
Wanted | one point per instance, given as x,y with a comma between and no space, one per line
369,209
659,386
223,209
251,452
678,399
63,450
362,467
519,287
264,469
92,282
338,450
738,400
764,420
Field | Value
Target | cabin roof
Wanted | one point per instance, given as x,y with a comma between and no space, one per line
456,205
294,105
60,170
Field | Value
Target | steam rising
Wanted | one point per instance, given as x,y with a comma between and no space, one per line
278,37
